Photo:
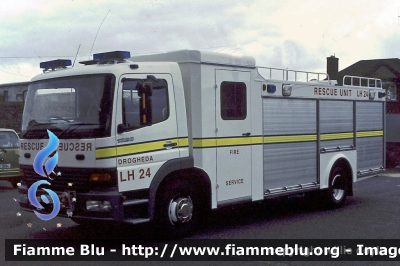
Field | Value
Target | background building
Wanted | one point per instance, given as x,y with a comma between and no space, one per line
388,70
12,97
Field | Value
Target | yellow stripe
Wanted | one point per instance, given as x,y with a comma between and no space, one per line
333,136
375,133
204,143
234,141
285,139
183,142
221,142
138,148
104,153
257,140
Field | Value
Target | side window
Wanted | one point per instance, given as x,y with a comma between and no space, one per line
131,106
233,101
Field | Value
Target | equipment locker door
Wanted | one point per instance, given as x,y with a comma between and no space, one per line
233,136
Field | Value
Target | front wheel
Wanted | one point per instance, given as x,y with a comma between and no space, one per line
337,191
178,209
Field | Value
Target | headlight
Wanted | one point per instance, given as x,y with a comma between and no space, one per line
97,205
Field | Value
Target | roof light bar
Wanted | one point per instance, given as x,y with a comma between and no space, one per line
108,58
54,64
112,55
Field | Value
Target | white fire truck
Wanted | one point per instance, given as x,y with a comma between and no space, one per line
166,138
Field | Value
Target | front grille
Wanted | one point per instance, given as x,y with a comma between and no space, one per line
70,179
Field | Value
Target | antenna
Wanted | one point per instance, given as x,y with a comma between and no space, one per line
76,55
97,34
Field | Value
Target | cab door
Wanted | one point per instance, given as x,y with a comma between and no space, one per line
144,144
233,133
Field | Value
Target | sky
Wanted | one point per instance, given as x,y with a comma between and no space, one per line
293,34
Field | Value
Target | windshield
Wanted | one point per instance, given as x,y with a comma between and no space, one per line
8,139
70,107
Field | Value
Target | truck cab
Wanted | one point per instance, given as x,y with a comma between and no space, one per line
116,122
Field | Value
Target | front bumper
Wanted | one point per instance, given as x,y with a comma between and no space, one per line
79,205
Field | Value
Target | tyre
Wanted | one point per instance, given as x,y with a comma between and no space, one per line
337,191
178,210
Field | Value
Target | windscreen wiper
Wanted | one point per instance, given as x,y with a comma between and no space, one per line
77,125
33,123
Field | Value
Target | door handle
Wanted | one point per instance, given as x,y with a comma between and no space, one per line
170,144
246,134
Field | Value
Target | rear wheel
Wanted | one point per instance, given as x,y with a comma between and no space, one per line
337,191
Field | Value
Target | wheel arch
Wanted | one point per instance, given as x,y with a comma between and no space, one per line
347,159
178,169
346,166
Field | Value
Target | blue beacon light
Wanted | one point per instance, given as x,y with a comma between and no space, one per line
111,55
108,58
54,64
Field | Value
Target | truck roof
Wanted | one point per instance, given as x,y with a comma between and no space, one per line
179,57
103,69
199,57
